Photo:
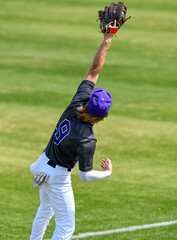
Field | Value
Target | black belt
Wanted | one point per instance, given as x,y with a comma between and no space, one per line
52,164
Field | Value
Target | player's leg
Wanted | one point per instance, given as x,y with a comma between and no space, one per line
62,198
43,216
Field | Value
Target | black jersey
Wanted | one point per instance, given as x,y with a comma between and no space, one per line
73,140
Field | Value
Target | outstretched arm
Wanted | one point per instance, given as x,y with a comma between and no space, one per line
99,60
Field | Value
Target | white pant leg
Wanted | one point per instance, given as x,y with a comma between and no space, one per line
43,216
59,191
62,199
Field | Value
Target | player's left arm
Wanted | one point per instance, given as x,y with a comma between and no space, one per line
99,59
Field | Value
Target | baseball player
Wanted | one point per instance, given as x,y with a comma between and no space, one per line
73,141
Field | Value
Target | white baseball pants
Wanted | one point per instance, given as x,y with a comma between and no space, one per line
56,198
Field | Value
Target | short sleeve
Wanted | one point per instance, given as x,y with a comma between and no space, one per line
85,155
83,92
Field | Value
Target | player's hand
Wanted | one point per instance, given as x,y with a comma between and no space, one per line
108,37
106,165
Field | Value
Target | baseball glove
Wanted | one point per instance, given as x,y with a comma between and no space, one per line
112,18
39,179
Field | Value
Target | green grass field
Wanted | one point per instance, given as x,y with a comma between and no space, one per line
46,48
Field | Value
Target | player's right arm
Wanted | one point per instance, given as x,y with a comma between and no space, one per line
85,151
97,175
99,60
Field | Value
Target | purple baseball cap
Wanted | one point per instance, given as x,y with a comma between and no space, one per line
99,102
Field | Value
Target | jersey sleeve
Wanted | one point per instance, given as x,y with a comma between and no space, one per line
85,155
83,92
